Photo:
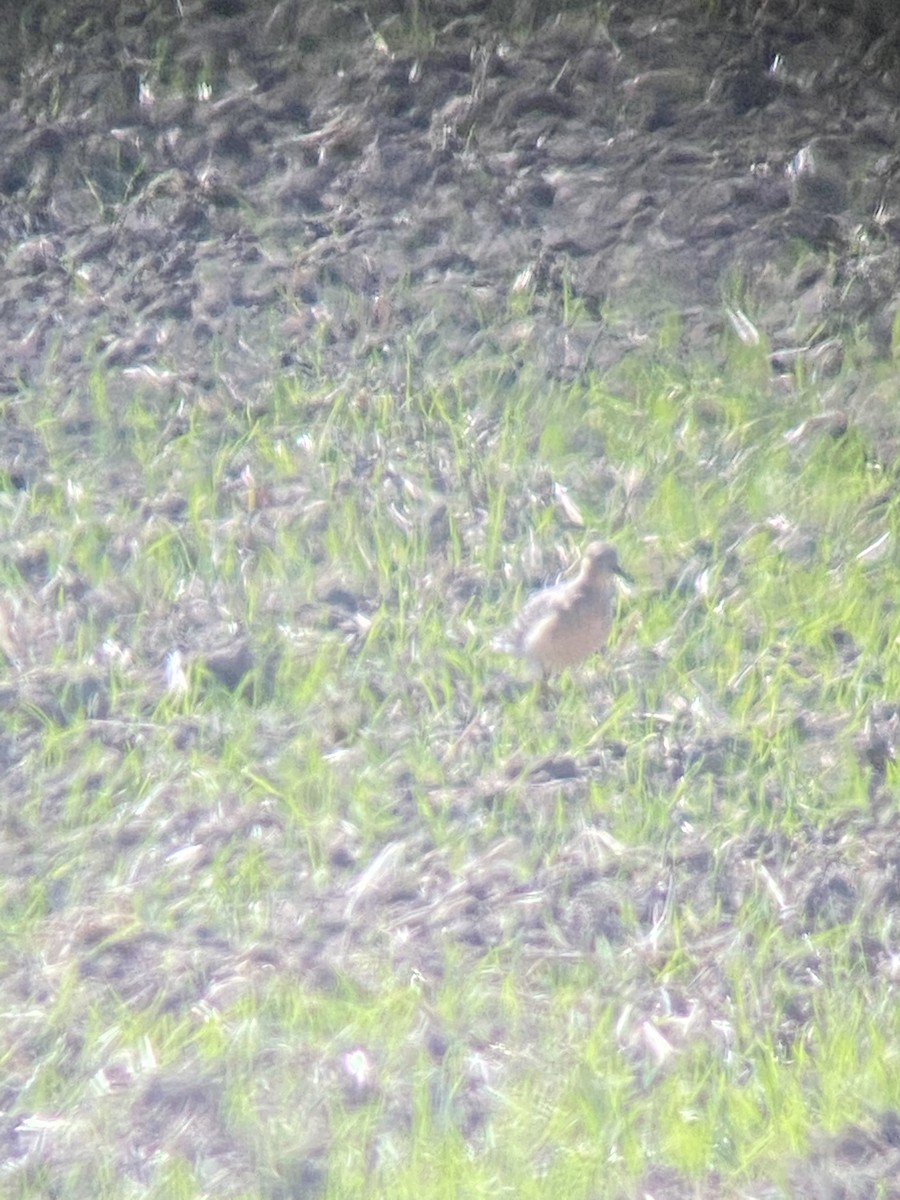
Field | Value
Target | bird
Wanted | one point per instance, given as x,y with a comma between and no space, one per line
561,626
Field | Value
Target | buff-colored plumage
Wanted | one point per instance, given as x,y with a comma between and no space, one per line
561,626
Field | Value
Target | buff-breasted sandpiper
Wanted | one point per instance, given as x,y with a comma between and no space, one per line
560,626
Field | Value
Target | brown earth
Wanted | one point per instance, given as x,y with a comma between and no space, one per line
171,186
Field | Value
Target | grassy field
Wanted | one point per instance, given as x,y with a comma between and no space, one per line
307,891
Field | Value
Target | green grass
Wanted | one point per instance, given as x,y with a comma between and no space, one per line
342,921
